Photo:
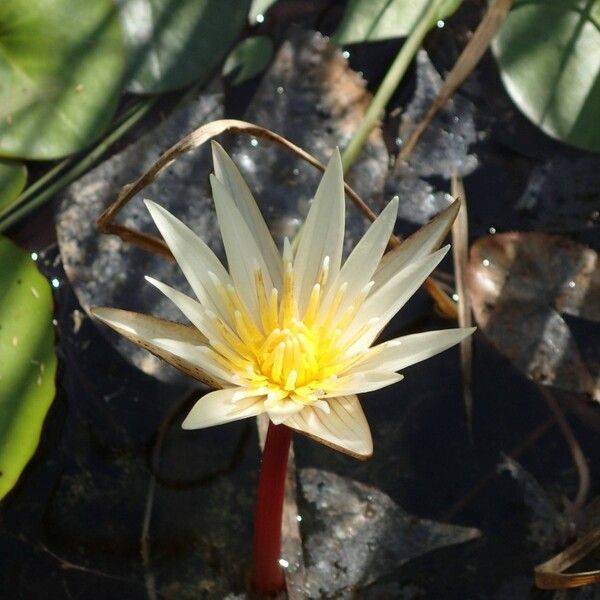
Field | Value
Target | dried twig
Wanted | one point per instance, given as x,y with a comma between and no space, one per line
197,138
576,453
467,61
550,575
460,257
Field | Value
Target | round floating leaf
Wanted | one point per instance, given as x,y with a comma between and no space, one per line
249,58
60,75
549,58
13,176
171,43
28,363
384,19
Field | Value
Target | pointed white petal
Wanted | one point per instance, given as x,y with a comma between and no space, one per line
243,253
194,257
421,243
405,351
280,410
392,296
345,428
322,233
362,262
228,174
150,333
191,308
361,382
219,407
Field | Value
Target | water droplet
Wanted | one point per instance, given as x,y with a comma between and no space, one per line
440,24
485,262
296,171
492,230
254,142
260,18
280,90
455,297
284,563
55,282
34,256
299,518
398,141
346,54
571,284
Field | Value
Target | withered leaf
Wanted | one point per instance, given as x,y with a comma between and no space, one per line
520,283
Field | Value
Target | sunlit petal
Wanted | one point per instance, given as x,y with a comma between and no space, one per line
402,352
358,269
322,234
218,407
421,243
244,255
228,174
345,428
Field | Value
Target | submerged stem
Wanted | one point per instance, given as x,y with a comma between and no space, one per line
267,576
390,82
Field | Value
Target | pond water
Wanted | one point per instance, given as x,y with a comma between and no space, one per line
119,502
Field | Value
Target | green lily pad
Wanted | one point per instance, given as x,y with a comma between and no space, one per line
384,19
549,58
61,66
13,176
28,363
171,44
249,58
258,9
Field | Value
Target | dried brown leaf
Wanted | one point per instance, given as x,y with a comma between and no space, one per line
519,284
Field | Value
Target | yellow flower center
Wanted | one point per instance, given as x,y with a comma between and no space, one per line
286,355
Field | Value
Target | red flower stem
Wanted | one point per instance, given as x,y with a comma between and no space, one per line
267,576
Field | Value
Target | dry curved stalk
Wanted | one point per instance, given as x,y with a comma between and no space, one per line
197,138
577,455
550,575
460,256
467,61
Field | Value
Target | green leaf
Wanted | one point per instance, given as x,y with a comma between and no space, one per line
249,58
28,364
171,43
549,57
61,66
13,176
258,10
384,19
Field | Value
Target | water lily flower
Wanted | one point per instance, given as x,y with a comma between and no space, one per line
290,333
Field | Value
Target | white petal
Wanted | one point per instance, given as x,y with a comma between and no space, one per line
322,233
421,243
392,296
360,382
345,428
280,410
243,253
402,352
150,333
219,407
362,262
191,308
194,257
227,173
203,356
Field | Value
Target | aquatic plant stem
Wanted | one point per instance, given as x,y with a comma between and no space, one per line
267,576
390,82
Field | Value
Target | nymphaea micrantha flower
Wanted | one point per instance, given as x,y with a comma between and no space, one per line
290,333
